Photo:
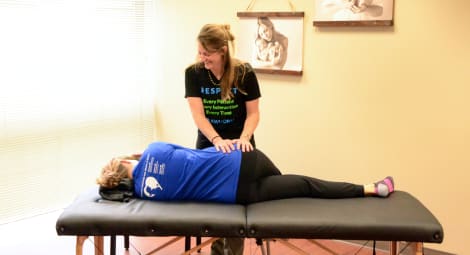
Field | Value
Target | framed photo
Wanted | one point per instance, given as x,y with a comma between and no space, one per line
353,13
272,42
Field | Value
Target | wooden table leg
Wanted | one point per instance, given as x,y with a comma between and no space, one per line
203,244
171,241
393,248
79,245
417,248
99,245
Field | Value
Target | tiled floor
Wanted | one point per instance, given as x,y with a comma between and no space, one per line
37,236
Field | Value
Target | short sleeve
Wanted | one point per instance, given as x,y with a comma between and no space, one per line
192,89
250,84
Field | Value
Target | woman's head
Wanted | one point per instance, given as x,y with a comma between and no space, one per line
265,28
215,54
112,173
213,47
215,37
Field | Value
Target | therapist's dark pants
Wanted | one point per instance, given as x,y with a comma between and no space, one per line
224,246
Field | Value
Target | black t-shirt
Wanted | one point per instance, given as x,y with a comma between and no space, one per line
226,116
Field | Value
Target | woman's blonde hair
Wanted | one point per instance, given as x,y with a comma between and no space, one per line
111,174
215,37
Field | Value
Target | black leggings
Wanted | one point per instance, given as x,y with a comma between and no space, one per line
261,180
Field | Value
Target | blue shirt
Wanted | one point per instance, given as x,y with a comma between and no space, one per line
172,172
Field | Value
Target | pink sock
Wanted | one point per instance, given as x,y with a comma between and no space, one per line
390,184
384,187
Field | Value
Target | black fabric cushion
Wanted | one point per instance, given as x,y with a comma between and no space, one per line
400,217
122,193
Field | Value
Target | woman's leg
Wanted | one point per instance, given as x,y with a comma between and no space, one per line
290,186
266,182
255,165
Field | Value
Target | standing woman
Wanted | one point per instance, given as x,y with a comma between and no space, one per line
222,92
223,95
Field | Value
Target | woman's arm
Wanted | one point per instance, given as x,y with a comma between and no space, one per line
283,43
197,111
251,122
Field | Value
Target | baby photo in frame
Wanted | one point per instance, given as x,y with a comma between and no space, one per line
272,42
353,13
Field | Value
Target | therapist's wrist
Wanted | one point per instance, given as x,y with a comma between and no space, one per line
245,137
215,138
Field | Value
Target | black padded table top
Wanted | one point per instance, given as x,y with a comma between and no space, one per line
92,216
400,217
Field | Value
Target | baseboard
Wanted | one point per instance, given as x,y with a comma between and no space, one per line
404,248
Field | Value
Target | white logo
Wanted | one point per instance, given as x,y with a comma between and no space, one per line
151,183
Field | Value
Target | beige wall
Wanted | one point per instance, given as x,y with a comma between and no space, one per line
371,101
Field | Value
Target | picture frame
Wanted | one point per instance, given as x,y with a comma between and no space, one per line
353,13
272,42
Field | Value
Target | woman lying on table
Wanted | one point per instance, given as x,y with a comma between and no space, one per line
167,172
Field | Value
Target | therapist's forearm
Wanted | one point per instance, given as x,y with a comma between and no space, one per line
251,123
206,128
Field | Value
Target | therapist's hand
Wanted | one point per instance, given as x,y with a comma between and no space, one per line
223,145
243,144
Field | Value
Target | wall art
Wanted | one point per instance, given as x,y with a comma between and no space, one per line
272,41
353,13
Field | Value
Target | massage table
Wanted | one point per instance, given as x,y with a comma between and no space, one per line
400,217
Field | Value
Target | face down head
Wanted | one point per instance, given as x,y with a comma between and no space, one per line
113,172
